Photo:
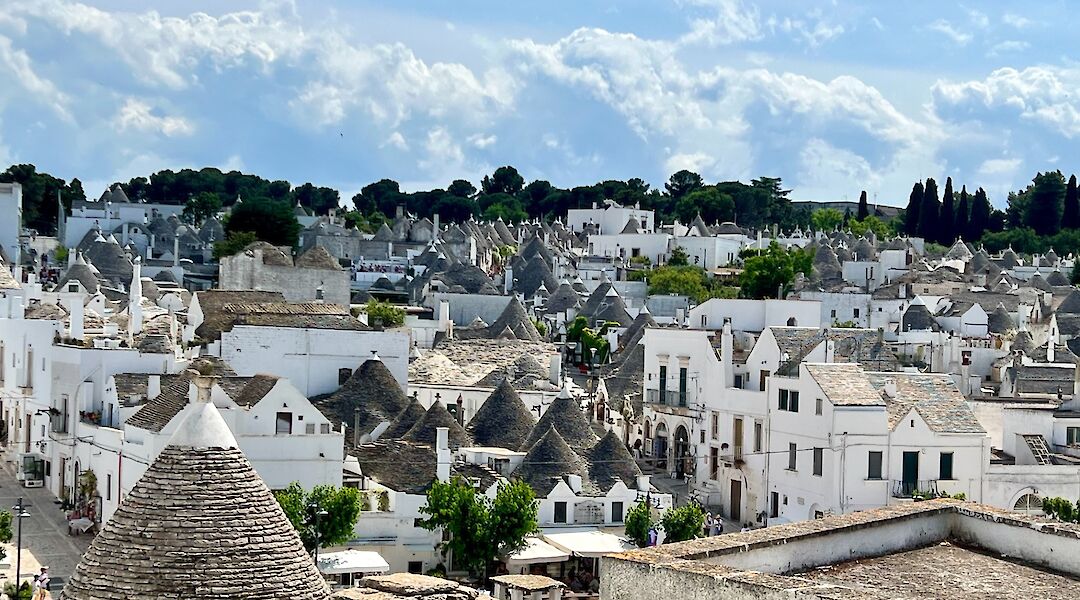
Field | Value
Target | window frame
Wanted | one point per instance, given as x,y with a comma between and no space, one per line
555,512
870,465
946,458
819,462
279,420
793,457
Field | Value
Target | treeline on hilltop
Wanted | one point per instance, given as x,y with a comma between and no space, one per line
1044,215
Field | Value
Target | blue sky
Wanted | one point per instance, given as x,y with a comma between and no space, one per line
832,96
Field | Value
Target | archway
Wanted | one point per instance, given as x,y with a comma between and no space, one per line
792,322
660,445
1029,503
683,461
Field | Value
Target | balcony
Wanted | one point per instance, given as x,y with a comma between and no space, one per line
917,490
667,398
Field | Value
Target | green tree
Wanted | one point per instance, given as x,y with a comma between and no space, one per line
319,199
5,530
914,207
384,314
945,234
709,203
40,192
505,180
980,215
873,224
234,242
1047,198
767,273
461,188
479,529
929,212
342,507
1070,217
826,219
690,281
382,196
963,213
639,520
864,207
682,183
271,221
683,523
678,258
201,206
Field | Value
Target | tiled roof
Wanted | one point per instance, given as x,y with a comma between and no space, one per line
934,396
566,416
216,318
845,384
373,390
503,420
156,414
318,258
549,461
610,462
425,431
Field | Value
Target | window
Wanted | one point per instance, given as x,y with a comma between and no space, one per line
309,428
945,466
284,423
715,425
789,400
873,468
738,382
791,456
560,512
793,405
682,386
663,384
761,381
819,461
616,512
757,436
702,436
714,459
324,428
832,313
1072,435
855,313
343,375
416,567
108,486
817,406
783,400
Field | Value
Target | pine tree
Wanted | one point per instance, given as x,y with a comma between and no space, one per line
929,212
1047,197
963,210
947,216
914,205
980,215
1070,219
864,208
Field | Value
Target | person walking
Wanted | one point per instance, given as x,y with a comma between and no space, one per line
41,584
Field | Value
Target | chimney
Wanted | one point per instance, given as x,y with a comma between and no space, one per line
153,386
830,350
435,228
1051,347
176,251
461,410
555,369
75,317
71,256
442,449
124,235
727,353
574,481
399,212
356,427
135,315
508,279
643,483
444,316
203,385
890,388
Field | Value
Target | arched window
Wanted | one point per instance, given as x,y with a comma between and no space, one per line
1029,504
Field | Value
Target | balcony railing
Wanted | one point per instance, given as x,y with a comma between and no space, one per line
667,397
913,489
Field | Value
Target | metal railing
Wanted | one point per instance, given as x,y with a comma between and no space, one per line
667,397
911,489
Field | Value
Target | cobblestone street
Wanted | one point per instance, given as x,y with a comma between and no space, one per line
45,539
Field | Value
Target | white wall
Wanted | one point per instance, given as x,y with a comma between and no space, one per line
755,315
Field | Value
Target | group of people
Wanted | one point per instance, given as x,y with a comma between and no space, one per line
713,525
362,268
582,582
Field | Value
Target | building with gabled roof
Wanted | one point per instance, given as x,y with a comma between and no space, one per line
314,276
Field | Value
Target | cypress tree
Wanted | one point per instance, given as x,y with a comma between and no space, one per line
947,216
930,211
914,205
1071,217
962,212
864,208
980,215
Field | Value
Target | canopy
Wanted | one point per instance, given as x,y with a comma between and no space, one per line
589,543
537,551
352,561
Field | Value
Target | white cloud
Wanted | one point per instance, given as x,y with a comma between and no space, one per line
978,18
396,140
821,165
695,161
17,64
1008,46
733,22
944,27
481,141
999,166
877,23
1045,95
138,115
443,153
1015,20
814,32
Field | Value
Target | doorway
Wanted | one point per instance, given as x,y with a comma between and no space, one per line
682,452
735,513
660,446
910,479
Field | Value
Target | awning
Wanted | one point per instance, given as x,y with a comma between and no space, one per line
537,551
352,561
588,543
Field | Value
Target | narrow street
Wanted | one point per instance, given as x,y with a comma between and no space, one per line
45,540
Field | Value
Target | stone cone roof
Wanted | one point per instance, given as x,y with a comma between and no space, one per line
562,298
372,389
503,421
864,250
1057,278
1038,282
596,298
918,318
827,264
535,274
405,420
424,431
1000,321
200,523
565,416
610,461
614,310
1071,303
515,319
548,461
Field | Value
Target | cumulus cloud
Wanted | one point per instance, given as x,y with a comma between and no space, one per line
1015,20
481,141
138,115
813,31
728,22
944,27
1008,46
18,65
1042,94
999,166
822,164
396,140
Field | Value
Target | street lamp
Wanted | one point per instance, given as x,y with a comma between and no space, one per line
316,512
20,514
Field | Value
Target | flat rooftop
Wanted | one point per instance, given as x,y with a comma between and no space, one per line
947,571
